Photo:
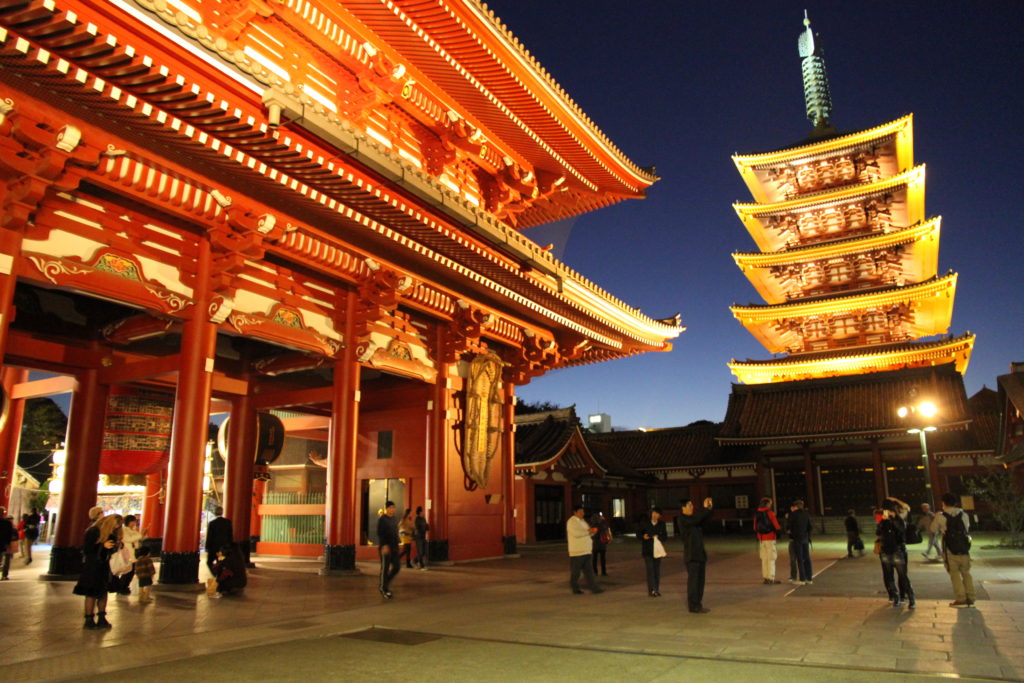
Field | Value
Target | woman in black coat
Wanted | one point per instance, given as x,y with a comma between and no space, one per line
101,541
652,528
891,533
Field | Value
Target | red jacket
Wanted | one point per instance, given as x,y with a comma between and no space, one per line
775,523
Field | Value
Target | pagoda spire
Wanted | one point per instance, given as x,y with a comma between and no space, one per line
816,93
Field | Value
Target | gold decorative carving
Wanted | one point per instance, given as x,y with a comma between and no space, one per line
118,266
174,302
482,422
51,269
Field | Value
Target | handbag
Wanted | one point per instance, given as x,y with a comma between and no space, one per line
912,534
659,549
120,562
878,547
606,537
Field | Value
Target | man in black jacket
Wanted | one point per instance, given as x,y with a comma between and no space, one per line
7,535
694,555
387,540
218,534
420,536
799,528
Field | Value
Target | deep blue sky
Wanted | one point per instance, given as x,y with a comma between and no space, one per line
684,85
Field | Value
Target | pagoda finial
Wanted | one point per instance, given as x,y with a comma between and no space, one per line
816,93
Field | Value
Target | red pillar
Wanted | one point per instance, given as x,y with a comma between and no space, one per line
508,462
81,472
189,432
10,250
437,484
10,435
342,499
238,477
152,508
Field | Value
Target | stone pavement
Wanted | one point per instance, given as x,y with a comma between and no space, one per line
515,619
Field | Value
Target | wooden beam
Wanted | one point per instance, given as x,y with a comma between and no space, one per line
51,386
29,351
137,370
292,397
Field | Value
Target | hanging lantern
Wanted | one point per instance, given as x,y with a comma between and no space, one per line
269,442
137,431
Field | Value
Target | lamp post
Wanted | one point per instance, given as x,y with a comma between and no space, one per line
921,417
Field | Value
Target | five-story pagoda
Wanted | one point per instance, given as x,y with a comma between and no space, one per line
848,257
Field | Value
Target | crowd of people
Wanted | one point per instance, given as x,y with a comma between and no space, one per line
113,554
947,533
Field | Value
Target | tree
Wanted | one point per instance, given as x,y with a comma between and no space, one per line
42,430
524,408
997,489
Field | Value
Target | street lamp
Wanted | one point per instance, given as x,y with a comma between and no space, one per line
921,417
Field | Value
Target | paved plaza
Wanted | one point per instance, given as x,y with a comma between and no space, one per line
515,619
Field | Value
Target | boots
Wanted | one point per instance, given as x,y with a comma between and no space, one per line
89,622
101,621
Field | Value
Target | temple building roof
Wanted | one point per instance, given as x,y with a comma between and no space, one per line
835,407
664,449
555,436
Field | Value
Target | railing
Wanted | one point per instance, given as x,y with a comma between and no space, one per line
294,498
293,529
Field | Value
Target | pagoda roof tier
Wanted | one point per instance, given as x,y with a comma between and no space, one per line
773,274
776,226
921,309
169,132
861,406
892,144
856,361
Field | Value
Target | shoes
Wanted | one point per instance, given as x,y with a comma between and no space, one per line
796,582
657,594
925,556
896,603
970,603
387,595
808,583
28,561
772,582
577,591
216,596
101,621
604,573
652,594
597,590
124,592
699,610
90,623
911,604
960,603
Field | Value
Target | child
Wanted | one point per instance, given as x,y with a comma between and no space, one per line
144,570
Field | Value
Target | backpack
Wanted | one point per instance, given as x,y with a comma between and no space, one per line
956,539
763,525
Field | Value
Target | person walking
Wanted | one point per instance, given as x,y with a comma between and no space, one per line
653,536
892,537
8,535
601,540
766,526
100,542
954,525
387,539
800,532
32,522
420,529
218,534
694,554
577,534
405,534
853,540
925,523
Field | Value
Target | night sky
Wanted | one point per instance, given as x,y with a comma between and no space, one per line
684,85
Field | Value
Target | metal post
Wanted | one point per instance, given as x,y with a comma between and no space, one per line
927,470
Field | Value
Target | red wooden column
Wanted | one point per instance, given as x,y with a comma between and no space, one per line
342,497
152,507
508,447
10,435
437,452
238,477
180,555
10,250
81,472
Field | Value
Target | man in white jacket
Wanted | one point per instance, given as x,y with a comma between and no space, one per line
579,533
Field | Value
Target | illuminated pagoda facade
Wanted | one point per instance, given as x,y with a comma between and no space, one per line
307,215
856,315
847,261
